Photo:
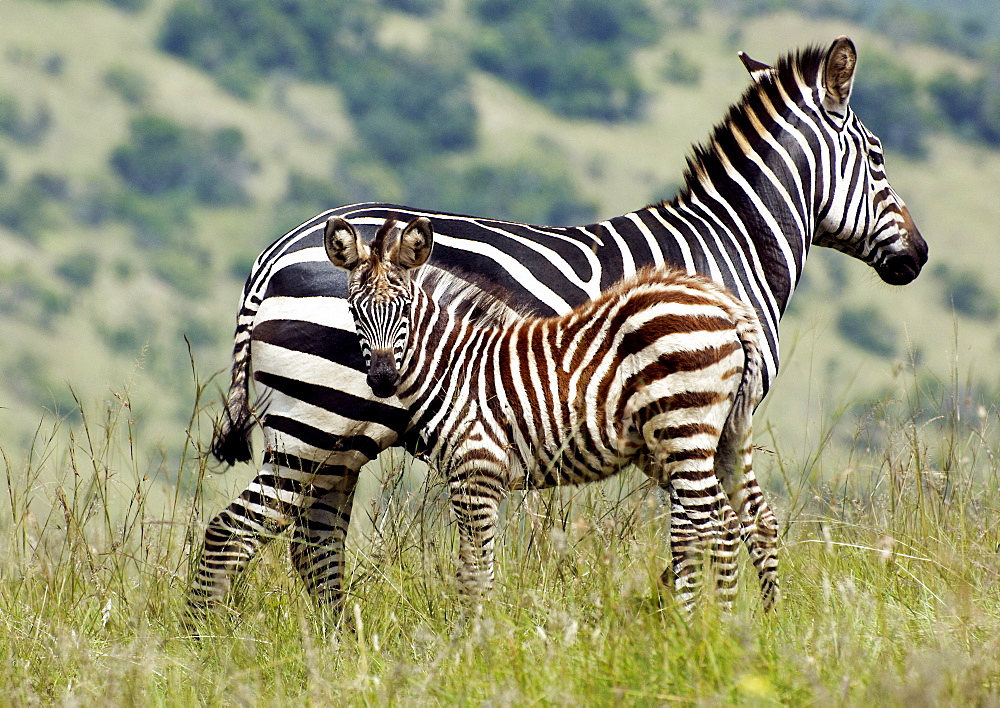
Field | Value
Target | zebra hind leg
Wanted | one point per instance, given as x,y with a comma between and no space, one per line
759,527
704,532
234,536
318,537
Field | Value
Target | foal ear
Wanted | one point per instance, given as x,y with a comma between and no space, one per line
838,73
415,244
342,243
758,69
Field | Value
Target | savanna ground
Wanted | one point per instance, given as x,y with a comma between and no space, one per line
890,571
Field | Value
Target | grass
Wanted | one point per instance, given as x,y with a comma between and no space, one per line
890,564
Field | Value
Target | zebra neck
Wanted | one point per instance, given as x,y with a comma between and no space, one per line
443,349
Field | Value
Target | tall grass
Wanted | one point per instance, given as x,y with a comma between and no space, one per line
890,570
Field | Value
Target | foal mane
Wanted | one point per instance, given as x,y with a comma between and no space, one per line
468,297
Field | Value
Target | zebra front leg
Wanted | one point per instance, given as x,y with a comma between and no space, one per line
475,499
318,536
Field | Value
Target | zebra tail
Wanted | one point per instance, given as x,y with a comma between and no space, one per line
231,434
749,393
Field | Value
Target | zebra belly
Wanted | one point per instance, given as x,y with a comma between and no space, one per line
536,465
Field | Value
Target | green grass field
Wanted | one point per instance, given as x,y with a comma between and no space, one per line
890,562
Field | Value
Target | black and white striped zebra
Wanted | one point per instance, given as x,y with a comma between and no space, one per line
789,166
662,369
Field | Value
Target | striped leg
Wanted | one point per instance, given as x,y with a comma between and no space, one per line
265,508
317,544
477,482
758,523
702,523
702,527
290,491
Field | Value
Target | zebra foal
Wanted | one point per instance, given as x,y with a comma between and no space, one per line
663,369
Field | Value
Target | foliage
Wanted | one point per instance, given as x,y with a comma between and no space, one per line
573,56
406,106
971,106
885,96
867,327
414,7
23,208
966,27
313,39
965,293
164,157
78,269
19,125
29,296
127,83
681,70
538,190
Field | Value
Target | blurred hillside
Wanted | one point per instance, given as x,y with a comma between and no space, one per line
149,149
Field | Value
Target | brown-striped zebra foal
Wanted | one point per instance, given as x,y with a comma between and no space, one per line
663,369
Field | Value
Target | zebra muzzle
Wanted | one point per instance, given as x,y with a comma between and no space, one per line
383,376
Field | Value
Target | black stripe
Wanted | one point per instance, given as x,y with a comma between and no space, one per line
309,279
323,440
332,399
331,344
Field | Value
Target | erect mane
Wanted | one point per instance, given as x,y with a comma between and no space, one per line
468,297
803,65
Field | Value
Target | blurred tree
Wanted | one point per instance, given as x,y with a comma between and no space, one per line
163,157
885,96
867,328
574,56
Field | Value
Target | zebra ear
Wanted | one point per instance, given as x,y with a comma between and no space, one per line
758,69
838,73
415,244
342,243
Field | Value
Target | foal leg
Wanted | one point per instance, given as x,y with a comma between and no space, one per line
477,480
681,444
759,527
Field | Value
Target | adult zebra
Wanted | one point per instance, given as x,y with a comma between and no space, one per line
790,165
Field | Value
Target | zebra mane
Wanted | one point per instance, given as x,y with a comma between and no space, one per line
468,297
789,70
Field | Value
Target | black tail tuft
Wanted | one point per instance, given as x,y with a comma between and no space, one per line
231,437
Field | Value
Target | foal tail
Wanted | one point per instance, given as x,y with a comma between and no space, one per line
736,430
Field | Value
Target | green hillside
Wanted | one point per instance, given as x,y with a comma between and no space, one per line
101,283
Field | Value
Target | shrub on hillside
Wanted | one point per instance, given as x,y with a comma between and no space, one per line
23,208
534,191
127,83
164,157
965,293
308,38
865,327
406,106
885,96
16,122
78,269
971,106
573,56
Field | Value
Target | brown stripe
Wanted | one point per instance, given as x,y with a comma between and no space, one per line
674,362
658,327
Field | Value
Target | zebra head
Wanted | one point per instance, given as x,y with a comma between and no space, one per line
861,214
380,290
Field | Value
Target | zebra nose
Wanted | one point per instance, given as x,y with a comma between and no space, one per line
383,378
